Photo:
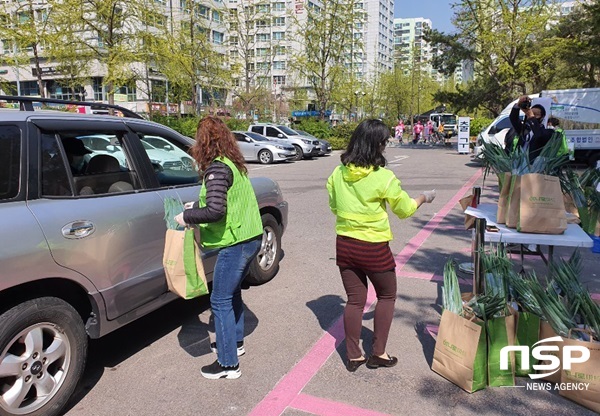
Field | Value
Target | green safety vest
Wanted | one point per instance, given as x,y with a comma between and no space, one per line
242,221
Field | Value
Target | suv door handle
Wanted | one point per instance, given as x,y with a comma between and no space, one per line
78,229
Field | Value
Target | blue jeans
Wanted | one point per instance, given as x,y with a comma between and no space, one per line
231,267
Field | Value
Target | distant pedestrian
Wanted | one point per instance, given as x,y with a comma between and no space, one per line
417,130
428,131
359,190
399,131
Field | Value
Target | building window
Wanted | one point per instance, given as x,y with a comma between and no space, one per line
261,23
279,50
279,65
262,51
98,89
278,35
263,8
263,37
218,37
29,88
279,21
279,7
279,80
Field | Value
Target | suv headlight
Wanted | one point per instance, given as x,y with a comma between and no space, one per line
280,147
306,141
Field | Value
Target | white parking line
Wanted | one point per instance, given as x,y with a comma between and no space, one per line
397,159
263,167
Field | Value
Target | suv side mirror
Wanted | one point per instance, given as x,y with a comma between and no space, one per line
168,147
493,130
280,136
111,148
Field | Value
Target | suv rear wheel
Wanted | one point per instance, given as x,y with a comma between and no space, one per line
43,347
266,264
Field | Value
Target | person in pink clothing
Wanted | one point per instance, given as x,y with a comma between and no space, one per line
399,131
417,130
428,131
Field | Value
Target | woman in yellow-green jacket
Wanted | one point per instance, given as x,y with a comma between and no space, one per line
359,191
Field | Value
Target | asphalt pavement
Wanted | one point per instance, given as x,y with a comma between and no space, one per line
294,364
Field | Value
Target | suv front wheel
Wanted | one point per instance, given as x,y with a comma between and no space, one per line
43,347
299,153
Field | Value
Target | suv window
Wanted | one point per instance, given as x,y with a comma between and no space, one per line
257,129
170,159
10,161
272,132
97,162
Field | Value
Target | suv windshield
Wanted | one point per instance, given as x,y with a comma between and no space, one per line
288,131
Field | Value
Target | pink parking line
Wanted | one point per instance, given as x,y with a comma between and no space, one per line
417,241
324,407
291,385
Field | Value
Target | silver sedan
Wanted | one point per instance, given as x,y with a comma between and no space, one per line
256,147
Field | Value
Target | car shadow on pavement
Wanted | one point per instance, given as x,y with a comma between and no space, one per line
328,309
107,353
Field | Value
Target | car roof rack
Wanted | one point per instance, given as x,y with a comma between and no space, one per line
26,104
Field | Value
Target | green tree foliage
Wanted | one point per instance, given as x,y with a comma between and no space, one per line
579,33
26,29
326,34
502,39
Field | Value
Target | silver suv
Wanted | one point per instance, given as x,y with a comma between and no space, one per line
82,242
305,147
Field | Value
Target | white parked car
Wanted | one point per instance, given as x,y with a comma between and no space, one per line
256,147
161,159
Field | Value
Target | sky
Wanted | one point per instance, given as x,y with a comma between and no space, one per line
438,11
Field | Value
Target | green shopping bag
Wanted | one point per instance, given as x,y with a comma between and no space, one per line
528,333
460,352
183,264
500,333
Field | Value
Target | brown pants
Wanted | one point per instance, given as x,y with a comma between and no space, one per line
355,283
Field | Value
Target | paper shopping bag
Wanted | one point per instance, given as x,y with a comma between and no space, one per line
466,202
183,264
546,331
504,185
460,352
527,334
500,334
513,201
583,373
542,208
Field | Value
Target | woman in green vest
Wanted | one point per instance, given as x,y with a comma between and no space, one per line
360,190
229,219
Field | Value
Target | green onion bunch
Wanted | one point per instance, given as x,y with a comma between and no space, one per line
582,189
522,292
517,162
497,267
554,309
451,290
486,306
173,207
581,305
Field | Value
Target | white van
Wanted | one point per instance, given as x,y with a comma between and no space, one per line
578,111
